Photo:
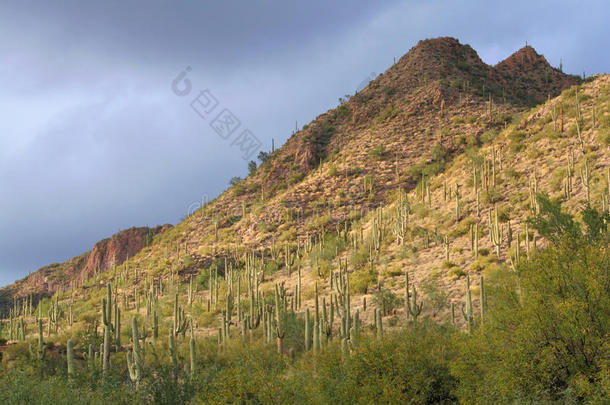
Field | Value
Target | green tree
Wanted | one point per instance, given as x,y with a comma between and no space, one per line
251,167
235,181
546,336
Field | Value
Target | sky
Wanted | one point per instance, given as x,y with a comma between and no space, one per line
99,132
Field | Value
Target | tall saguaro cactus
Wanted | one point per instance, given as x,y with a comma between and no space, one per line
192,354
134,362
280,321
70,357
468,312
495,231
180,321
585,178
483,299
414,308
42,348
108,328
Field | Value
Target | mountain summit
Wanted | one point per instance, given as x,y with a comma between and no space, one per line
530,77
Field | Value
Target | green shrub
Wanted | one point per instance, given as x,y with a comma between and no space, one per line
548,344
436,298
516,139
378,151
386,300
410,366
361,280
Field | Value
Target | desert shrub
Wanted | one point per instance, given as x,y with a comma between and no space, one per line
389,90
410,366
295,177
457,119
549,343
361,280
462,228
386,300
603,137
488,136
341,112
17,387
360,257
435,165
251,374
435,297
516,139
378,151
332,170
456,272
389,113
490,196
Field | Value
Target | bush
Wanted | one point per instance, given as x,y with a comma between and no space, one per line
549,344
386,300
436,297
377,151
410,366
234,181
361,280
516,139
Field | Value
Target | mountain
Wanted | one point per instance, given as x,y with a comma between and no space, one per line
433,115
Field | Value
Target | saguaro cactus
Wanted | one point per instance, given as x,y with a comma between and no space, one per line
316,323
483,298
180,321
279,321
42,348
134,362
155,328
406,296
91,358
172,353
468,312
413,307
379,324
307,334
585,177
457,202
108,328
70,357
495,231
193,355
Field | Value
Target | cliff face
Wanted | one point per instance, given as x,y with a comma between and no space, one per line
115,250
105,254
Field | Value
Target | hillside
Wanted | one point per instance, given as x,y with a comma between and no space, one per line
432,171
105,254
425,111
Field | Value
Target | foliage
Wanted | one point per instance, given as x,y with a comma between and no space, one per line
251,167
550,342
386,300
378,151
235,180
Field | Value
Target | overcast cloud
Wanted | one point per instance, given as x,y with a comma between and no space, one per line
93,140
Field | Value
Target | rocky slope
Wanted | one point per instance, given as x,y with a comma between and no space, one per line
104,255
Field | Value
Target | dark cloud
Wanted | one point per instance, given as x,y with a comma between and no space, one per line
92,140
